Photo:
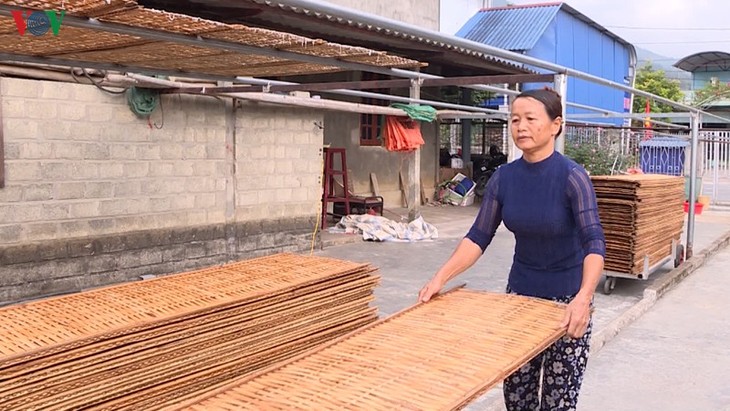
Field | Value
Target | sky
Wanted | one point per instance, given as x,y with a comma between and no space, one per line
672,28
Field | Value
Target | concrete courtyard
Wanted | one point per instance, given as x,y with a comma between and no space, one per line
405,268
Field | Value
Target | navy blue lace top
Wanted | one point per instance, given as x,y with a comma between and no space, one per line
550,206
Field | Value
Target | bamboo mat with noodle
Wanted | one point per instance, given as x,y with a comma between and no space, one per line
434,356
641,215
148,344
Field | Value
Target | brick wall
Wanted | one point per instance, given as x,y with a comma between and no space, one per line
279,175
95,195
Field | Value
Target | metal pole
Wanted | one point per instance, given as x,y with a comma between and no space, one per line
466,131
561,86
357,93
695,123
414,168
715,166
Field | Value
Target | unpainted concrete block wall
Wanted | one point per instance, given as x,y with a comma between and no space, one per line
343,130
79,162
95,195
280,162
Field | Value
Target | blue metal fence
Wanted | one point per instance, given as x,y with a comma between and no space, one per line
663,155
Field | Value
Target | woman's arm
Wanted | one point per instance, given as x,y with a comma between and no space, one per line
473,245
578,313
464,256
585,211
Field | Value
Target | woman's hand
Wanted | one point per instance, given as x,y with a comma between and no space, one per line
577,316
430,289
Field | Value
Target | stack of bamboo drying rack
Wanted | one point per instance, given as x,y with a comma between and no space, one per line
278,332
139,346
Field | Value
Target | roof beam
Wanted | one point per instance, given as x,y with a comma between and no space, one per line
22,58
353,93
386,84
308,102
576,117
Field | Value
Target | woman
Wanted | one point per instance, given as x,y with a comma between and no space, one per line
548,202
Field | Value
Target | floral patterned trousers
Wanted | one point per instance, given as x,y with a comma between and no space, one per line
561,366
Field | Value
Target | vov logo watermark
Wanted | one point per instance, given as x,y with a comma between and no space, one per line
38,22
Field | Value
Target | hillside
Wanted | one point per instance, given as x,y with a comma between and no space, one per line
665,63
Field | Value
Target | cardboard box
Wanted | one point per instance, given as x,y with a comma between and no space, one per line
446,173
460,191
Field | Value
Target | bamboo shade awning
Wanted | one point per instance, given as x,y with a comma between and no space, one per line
97,46
641,214
434,356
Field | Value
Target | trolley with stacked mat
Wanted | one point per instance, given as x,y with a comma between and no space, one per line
642,217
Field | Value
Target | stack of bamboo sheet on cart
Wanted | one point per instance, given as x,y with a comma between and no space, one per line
641,214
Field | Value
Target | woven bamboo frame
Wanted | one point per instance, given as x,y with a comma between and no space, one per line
330,50
182,389
283,69
7,26
101,47
207,327
69,40
67,363
55,325
133,339
165,21
384,60
641,215
222,62
84,8
260,37
147,53
131,376
435,356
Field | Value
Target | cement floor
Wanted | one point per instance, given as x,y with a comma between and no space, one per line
406,267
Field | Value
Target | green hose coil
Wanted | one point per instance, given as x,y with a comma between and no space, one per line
142,101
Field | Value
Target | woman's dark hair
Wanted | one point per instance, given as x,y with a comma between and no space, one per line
550,99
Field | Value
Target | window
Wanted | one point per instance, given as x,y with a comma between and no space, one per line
372,125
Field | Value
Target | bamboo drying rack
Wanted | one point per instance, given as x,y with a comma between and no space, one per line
434,356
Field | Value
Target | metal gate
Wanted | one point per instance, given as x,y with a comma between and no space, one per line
483,135
715,165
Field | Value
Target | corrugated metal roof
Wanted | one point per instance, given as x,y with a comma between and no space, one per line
705,61
386,32
515,28
278,16
669,142
518,28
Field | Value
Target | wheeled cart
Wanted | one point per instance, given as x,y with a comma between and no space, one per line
677,254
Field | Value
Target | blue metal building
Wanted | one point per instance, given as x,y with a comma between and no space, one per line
560,34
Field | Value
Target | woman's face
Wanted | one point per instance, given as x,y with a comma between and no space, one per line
532,129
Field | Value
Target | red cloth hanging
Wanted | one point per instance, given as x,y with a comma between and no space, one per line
402,134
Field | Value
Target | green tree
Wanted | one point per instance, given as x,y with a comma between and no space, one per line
453,95
598,159
711,93
656,82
